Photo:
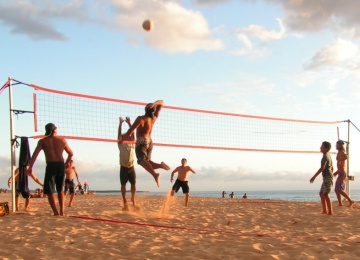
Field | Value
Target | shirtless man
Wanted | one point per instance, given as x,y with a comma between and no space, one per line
144,125
69,184
53,147
26,196
181,180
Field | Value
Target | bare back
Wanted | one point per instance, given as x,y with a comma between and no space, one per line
53,148
145,126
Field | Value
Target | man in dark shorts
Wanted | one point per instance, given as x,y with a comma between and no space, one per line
127,170
69,184
181,180
53,147
144,125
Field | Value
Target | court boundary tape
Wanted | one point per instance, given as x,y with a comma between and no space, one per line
203,231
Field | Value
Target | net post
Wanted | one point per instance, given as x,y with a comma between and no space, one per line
12,146
35,113
348,160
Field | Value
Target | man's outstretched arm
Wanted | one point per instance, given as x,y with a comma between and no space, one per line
131,130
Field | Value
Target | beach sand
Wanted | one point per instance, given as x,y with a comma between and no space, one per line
210,228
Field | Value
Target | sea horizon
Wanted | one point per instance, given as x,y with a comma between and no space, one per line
287,195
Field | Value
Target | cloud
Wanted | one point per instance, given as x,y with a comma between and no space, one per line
176,29
34,18
337,53
23,18
262,34
312,16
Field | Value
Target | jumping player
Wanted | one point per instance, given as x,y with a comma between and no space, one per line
181,180
69,184
144,126
127,170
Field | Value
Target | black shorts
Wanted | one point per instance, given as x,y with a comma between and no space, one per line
69,186
127,175
143,149
183,184
54,177
24,194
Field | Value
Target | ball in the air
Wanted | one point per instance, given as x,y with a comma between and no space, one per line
147,25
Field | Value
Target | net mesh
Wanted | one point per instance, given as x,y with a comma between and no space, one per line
95,118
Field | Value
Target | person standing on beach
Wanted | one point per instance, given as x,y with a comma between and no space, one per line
27,195
53,147
223,194
127,170
144,126
69,184
327,172
341,157
181,181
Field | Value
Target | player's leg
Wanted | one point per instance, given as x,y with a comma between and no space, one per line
323,203
338,195
187,195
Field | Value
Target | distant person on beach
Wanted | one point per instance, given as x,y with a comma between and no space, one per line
127,170
327,172
232,195
341,157
69,184
144,126
181,181
53,147
244,196
26,196
223,194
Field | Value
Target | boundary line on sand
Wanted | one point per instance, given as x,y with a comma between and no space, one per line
202,231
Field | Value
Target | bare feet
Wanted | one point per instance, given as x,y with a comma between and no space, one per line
351,204
165,166
126,207
324,212
330,213
136,207
157,179
340,205
69,205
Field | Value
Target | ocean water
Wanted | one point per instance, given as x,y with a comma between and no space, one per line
301,195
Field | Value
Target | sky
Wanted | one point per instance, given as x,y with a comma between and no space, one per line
278,58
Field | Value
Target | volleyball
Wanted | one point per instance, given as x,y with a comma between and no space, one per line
147,25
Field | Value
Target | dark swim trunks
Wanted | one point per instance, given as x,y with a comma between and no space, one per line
69,186
24,194
143,149
183,184
54,177
127,175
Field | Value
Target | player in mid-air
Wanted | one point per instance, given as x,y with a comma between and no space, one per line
181,181
144,126
127,170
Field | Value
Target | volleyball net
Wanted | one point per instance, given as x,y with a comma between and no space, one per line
94,118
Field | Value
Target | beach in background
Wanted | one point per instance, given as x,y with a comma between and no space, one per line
300,195
210,228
